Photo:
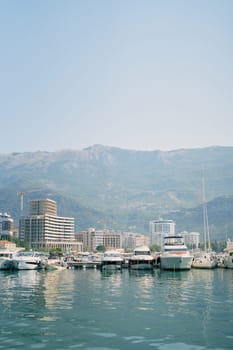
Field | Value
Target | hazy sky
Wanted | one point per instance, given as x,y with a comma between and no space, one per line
136,74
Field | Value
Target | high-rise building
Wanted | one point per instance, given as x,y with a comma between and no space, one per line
6,225
42,206
43,229
160,228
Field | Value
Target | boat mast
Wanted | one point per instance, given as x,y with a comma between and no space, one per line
205,216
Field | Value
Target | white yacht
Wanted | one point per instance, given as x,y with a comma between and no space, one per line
228,255
141,259
29,260
175,255
111,260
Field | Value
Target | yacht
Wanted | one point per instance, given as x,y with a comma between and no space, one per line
29,260
175,255
141,259
111,260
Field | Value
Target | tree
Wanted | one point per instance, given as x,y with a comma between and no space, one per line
155,248
55,252
100,248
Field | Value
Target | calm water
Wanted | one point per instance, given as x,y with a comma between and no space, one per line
87,309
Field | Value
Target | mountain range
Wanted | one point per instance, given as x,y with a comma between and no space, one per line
109,187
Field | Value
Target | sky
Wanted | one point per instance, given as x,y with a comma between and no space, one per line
133,74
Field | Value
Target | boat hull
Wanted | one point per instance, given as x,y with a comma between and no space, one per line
204,262
111,266
25,265
174,262
30,264
141,264
6,264
228,262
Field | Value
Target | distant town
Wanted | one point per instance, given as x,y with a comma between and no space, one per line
43,229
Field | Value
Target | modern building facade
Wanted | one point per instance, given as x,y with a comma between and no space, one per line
112,240
43,229
93,238
132,240
160,228
6,225
42,207
191,239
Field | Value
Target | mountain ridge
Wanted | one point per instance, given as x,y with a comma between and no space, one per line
119,187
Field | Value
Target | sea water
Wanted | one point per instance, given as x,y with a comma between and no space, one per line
93,310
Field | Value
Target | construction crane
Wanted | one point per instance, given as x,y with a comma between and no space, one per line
21,194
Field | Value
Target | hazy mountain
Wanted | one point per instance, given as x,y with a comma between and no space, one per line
117,188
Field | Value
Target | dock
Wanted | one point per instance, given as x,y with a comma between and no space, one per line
83,265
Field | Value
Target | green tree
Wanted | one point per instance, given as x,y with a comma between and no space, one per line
55,252
155,248
101,249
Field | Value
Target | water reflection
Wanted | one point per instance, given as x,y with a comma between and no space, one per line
58,289
22,287
92,310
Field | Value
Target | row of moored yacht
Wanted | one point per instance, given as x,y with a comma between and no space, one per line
174,256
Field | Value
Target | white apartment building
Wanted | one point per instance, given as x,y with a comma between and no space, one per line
42,207
160,228
43,229
112,240
191,239
93,238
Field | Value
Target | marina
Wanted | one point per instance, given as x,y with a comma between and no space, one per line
116,181
175,256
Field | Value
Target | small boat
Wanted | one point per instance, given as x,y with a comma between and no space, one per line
83,260
111,260
29,260
56,264
141,259
175,254
228,255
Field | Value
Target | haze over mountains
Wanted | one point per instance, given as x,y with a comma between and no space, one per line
123,189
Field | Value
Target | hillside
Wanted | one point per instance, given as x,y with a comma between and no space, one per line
110,187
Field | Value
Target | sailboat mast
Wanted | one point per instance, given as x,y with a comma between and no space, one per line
205,216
